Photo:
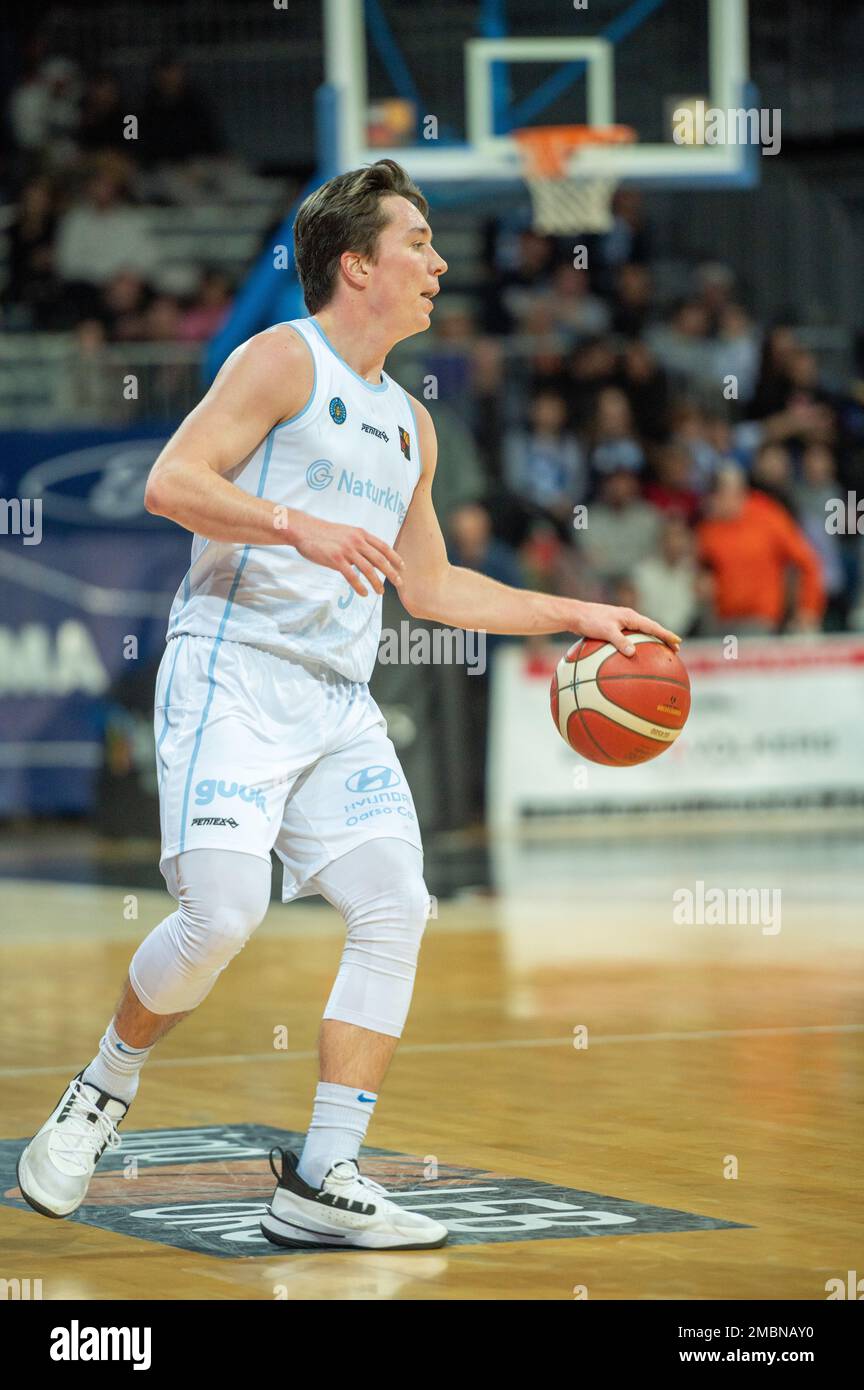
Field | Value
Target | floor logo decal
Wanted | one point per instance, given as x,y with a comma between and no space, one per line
205,1189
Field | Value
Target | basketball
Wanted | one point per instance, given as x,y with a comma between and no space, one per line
620,710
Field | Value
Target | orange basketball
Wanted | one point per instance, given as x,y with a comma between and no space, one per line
620,710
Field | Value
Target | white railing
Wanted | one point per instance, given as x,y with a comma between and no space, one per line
52,380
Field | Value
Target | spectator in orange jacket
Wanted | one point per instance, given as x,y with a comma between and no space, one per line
747,543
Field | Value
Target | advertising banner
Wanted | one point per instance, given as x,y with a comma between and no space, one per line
773,721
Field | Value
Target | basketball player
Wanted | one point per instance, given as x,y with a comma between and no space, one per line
305,475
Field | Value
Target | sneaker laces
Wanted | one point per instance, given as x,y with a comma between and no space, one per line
357,1179
79,1139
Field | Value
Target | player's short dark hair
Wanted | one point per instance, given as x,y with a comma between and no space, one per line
345,214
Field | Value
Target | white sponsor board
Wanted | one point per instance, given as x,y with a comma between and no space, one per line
783,719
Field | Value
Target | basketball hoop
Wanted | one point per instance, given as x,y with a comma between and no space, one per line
565,202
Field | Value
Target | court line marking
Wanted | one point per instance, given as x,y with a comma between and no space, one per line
278,1055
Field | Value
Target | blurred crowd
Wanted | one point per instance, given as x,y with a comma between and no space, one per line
598,438
675,457
83,166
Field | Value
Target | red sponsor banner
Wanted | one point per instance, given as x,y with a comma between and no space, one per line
702,656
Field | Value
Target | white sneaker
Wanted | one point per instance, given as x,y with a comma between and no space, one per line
348,1211
55,1169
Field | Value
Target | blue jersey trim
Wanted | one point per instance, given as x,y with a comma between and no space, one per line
384,385
300,413
205,714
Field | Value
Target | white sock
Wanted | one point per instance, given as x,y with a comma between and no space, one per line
338,1127
116,1066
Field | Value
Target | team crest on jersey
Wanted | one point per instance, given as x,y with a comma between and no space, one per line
405,441
338,413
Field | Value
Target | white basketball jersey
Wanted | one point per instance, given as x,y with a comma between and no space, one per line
351,455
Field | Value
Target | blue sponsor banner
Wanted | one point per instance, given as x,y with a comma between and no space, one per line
84,477
87,578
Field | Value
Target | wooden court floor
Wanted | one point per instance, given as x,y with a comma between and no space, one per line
612,1103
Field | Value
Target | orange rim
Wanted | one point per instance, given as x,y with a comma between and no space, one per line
545,148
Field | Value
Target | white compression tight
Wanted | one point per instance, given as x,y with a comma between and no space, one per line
379,890
222,897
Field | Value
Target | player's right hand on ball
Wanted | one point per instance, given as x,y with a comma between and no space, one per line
612,624
348,549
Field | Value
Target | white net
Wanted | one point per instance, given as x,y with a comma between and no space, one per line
563,205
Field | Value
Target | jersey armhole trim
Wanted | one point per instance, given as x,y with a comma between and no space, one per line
300,413
410,404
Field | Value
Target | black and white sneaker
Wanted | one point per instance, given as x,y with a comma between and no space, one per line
55,1169
348,1211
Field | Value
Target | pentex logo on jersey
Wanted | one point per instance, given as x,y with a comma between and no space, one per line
206,1189
373,429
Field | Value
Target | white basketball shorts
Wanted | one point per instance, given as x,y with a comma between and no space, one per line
255,752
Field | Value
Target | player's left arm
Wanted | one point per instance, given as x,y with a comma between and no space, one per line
434,589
